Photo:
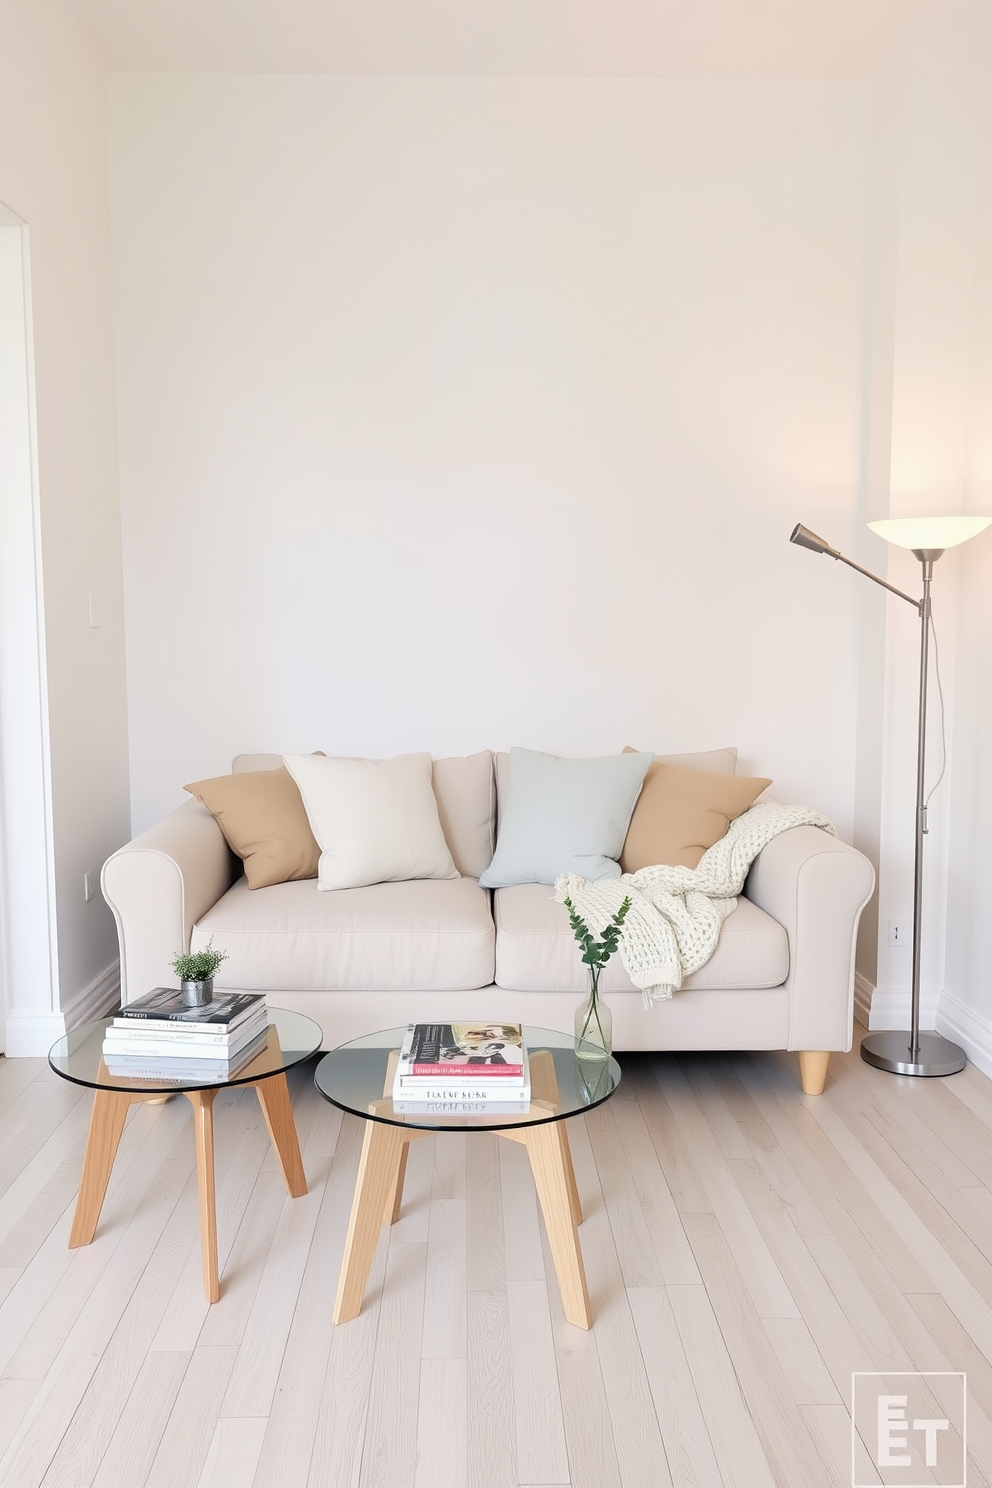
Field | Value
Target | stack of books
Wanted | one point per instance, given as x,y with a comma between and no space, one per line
158,1037
453,1069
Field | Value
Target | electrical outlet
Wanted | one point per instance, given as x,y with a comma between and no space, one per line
96,612
89,885
898,933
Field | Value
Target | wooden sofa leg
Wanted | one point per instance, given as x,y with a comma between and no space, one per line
813,1070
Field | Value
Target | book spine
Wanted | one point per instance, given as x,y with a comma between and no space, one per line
433,1094
418,1082
461,1108
466,1071
182,1026
171,1051
172,1035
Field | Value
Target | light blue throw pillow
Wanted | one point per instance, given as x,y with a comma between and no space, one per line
564,816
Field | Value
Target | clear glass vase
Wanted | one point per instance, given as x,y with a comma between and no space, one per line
593,1023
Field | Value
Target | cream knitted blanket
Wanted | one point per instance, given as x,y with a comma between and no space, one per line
673,924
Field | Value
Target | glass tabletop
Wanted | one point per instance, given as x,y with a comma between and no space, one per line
357,1077
79,1057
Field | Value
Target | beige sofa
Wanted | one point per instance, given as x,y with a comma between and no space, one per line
361,959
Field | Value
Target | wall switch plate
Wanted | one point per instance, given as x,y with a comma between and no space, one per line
89,885
96,613
898,933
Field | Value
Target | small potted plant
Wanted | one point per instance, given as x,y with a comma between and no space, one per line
593,1020
195,971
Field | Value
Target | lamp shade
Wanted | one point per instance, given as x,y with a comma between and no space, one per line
921,533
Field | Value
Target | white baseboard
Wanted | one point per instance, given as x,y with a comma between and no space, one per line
96,999
890,1008
863,990
957,1021
30,1035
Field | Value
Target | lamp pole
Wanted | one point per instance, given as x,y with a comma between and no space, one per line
893,1050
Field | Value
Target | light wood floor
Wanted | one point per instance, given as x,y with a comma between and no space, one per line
746,1247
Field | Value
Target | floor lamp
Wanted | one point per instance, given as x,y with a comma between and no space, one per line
912,1053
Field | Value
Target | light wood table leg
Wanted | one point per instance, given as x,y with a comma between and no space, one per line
273,1097
544,1087
394,1199
106,1124
202,1102
573,1192
382,1150
550,1161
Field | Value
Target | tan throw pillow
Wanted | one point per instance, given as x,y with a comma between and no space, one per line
262,816
680,813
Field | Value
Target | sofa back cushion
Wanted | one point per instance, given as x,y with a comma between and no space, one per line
466,804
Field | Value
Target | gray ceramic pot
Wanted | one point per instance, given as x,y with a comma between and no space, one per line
198,994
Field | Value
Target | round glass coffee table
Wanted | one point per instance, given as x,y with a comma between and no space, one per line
78,1057
358,1078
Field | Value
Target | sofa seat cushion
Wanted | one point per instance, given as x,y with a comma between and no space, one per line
536,950
426,934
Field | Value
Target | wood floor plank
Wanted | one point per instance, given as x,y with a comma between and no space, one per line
769,1292
801,1362
659,1117
444,1325
638,1446
78,1376
492,1460
736,1445
233,1452
524,1257
15,1397
661,1216
850,1206
763,1383
635,1248
932,1248
343,1403
138,1432
442,1424
32,1336
390,1451
540,1430
592,1452
485,1250
186,1441
842,1347
829,1427
16,1075
686,1440
303,1393
255,1376
108,1391
9,1277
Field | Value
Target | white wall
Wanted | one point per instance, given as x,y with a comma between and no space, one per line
54,176
463,413
965,1008
932,176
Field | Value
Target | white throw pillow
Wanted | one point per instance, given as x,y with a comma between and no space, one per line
375,821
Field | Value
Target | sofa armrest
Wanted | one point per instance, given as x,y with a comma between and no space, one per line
158,886
816,887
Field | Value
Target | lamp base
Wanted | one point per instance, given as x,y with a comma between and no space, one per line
891,1051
